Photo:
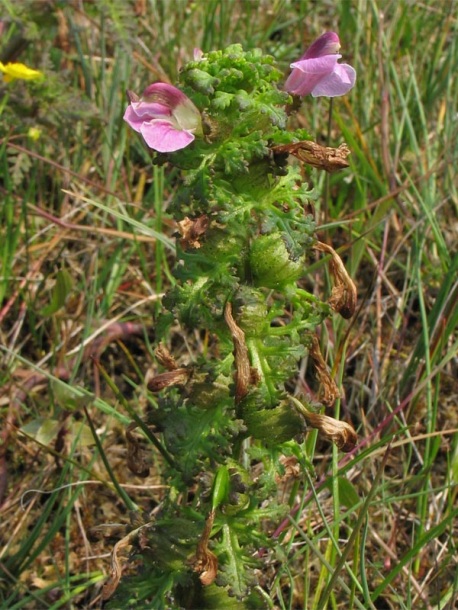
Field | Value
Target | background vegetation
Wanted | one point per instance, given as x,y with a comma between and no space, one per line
82,274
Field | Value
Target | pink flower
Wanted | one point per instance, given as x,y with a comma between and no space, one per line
318,73
197,54
165,117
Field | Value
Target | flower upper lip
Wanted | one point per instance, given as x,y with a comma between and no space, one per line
318,71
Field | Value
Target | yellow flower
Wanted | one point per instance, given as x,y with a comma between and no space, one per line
34,133
13,71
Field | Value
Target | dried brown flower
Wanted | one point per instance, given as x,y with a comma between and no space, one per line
165,380
205,562
192,230
329,392
136,461
321,157
244,376
112,583
292,469
343,296
165,358
339,432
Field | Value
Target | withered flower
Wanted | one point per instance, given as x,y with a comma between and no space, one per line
136,461
292,469
322,157
329,392
243,372
343,295
170,378
339,432
205,562
192,230
173,376
112,583
165,358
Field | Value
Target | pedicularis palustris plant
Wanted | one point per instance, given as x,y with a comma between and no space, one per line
226,422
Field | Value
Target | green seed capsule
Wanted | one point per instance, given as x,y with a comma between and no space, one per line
271,425
271,264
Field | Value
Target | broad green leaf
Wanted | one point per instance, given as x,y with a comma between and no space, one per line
42,430
60,292
82,433
348,495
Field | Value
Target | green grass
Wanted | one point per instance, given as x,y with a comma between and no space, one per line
375,529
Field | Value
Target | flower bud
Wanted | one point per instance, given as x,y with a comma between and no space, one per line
251,311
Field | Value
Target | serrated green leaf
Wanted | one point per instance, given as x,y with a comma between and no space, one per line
222,100
232,571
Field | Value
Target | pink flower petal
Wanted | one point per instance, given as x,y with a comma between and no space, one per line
151,110
164,137
132,119
307,74
318,72
298,85
164,94
327,44
317,65
165,116
338,83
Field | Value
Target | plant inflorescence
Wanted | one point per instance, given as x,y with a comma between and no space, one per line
227,418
